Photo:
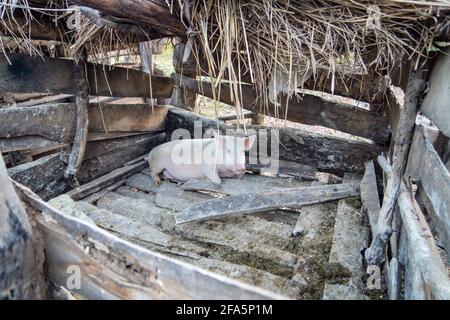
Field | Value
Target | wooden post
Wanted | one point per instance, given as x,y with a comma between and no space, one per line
82,104
184,64
416,85
21,258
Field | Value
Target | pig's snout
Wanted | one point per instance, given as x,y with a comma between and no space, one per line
240,172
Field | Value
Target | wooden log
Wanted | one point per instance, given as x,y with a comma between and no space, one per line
425,165
106,180
252,203
21,253
436,102
114,268
82,123
45,176
416,85
322,151
43,74
307,109
152,13
424,254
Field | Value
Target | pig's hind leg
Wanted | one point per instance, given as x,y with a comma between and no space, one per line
156,178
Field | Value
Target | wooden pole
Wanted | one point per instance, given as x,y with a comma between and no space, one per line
82,104
375,253
21,257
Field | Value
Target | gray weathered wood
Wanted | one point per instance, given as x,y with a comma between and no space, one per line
114,268
54,124
350,237
369,194
82,122
436,102
43,74
252,203
105,181
307,109
21,252
45,176
416,85
425,165
424,252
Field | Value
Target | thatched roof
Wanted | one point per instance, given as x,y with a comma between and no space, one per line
277,44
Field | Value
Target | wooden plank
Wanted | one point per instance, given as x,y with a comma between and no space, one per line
253,202
106,180
53,124
369,194
45,176
322,151
44,74
350,237
307,109
114,268
436,102
126,117
21,252
416,86
423,251
425,165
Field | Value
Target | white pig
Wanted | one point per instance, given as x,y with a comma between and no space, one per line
182,160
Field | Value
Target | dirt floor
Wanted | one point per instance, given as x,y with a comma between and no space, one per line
320,261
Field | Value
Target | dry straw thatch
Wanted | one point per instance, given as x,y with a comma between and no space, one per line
280,43
76,30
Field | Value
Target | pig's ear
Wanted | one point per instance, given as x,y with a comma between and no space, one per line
249,141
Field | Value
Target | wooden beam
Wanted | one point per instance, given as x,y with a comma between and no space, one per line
424,254
425,165
43,74
307,109
54,124
21,252
45,176
322,151
106,180
253,202
82,122
436,102
115,268
416,85
152,13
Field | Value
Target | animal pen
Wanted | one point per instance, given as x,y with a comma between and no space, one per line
358,206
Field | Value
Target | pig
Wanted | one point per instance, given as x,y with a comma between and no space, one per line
183,160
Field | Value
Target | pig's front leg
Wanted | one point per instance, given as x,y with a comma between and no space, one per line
212,175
